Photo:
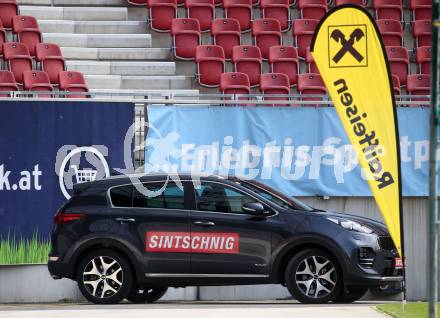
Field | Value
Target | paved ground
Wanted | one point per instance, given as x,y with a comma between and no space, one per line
242,309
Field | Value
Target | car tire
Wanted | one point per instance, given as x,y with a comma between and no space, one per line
146,294
350,294
313,277
105,277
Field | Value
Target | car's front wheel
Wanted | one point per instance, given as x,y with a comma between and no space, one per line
105,277
146,294
313,277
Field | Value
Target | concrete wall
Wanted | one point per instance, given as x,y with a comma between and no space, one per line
33,284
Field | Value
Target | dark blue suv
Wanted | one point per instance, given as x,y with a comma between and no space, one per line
121,239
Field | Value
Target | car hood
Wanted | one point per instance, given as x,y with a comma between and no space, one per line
378,227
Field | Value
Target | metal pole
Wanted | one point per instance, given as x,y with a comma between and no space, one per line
433,176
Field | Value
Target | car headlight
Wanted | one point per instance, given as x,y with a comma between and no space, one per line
351,225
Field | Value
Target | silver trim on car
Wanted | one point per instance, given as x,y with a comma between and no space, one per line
205,275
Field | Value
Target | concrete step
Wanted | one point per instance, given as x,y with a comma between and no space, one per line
99,40
130,54
122,68
87,3
93,27
76,13
139,82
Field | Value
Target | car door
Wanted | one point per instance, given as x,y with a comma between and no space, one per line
226,241
153,224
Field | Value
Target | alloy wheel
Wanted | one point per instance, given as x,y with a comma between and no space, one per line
103,277
316,277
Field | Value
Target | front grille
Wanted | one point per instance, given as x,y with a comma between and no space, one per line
386,243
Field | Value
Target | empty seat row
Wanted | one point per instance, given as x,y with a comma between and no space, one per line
272,84
247,60
237,83
38,81
226,33
266,33
25,30
163,11
18,59
210,60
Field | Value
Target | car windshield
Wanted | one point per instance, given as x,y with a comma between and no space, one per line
274,196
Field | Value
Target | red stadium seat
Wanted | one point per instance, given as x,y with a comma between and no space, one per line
396,84
18,58
8,9
37,81
73,82
162,13
275,84
422,31
362,3
247,59
202,10
7,83
419,84
266,33
226,33
391,31
2,38
421,9
27,30
51,59
278,10
423,59
388,9
284,59
311,62
240,10
303,31
399,62
235,83
210,61
138,2
312,9
311,84
186,37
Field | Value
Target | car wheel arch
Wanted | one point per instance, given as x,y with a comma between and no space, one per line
289,250
101,243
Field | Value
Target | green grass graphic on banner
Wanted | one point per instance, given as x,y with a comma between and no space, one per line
23,251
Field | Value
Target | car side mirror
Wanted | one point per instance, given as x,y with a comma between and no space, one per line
254,208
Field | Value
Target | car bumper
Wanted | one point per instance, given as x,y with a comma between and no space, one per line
58,269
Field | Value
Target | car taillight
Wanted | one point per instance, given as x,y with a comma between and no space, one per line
68,217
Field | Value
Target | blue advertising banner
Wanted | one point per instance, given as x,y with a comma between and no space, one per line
46,147
301,151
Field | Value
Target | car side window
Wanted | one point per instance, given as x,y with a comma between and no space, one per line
219,198
121,196
172,197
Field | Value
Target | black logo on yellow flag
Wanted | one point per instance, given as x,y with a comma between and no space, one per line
347,45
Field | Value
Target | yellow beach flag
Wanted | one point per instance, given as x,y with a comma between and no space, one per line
351,58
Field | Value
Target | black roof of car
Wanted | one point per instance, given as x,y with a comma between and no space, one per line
145,177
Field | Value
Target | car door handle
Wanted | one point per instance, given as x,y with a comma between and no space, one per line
125,220
202,223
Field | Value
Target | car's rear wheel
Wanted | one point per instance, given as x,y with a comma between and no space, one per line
105,277
350,294
146,294
313,277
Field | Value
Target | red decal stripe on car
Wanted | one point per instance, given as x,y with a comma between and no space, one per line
195,242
